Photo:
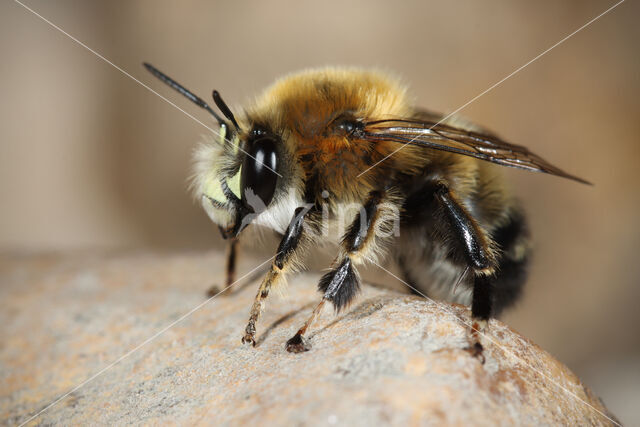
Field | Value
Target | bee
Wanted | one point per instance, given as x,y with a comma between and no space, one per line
317,142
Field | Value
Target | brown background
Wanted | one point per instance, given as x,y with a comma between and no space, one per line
90,159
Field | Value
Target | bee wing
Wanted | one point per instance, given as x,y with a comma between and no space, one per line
426,131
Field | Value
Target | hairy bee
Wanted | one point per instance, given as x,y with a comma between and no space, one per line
319,141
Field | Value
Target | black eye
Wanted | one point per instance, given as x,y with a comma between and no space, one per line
258,177
348,126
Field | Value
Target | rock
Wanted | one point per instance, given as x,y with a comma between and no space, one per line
137,330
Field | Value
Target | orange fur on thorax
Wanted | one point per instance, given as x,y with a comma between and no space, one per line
303,107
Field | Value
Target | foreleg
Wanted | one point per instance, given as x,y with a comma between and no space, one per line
283,262
230,270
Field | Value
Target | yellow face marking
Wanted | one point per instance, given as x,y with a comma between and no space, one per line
235,143
234,183
222,133
213,190
212,187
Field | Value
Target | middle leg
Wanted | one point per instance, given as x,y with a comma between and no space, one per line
362,241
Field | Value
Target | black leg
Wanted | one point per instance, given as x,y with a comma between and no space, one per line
480,256
230,278
481,305
481,308
341,285
231,261
282,263
470,237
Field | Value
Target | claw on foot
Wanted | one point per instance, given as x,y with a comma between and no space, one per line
213,291
475,350
297,344
216,290
248,339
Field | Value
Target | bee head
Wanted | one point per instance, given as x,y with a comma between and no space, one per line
236,176
236,179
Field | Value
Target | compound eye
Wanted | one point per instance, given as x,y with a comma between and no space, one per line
258,177
348,125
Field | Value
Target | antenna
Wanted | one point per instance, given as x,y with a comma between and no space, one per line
190,95
225,109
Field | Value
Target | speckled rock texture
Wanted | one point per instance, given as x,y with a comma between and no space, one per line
389,359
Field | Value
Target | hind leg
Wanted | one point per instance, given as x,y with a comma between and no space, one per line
477,249
491,295
498,261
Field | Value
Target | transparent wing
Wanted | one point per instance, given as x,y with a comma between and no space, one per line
426,131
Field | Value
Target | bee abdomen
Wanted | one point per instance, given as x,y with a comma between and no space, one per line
431,264
511,273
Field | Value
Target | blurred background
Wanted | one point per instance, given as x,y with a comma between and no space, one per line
90,159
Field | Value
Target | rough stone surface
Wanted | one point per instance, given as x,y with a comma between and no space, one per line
389,359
